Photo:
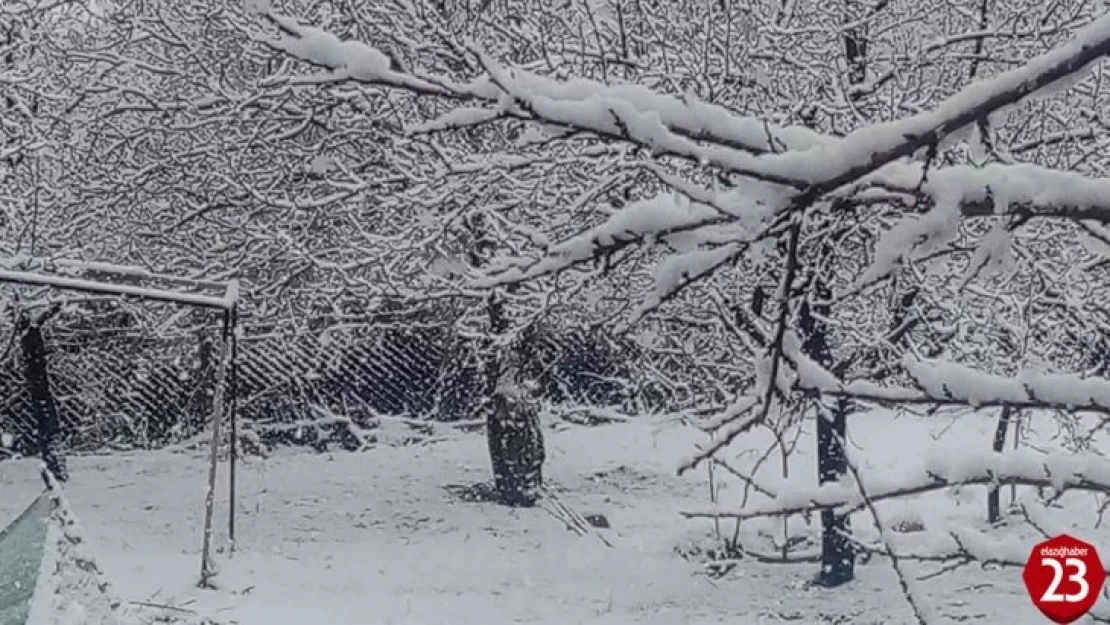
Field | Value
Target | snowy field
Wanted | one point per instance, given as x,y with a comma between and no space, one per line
375,538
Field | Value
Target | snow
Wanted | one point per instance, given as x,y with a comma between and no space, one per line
687,220
994,255
678,270
943,380
81,266
670,125
940,465
821,163
347,59
809,373
609,111
257,7
1005,185
913,237
663,213
690,118
862,149
361,61
70,588
373,537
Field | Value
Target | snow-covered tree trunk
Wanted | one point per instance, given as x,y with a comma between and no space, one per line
47,427
516,450
512,423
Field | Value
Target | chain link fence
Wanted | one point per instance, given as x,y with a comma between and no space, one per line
143,376
120,375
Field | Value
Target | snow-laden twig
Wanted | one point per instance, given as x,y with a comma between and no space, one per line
920,611
768,388
944,468
943,382
812,163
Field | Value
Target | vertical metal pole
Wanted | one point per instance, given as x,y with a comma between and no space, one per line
207,571
232,413
1017,445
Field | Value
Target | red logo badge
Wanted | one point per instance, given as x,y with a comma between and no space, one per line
1064,578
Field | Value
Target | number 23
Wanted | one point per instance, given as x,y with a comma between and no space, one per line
1079,577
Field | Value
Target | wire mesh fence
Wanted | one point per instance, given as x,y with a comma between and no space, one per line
143,375
422,371
130,377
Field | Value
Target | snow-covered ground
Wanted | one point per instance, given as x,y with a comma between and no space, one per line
375,538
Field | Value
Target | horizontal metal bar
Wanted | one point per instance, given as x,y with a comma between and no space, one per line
227,302
129,270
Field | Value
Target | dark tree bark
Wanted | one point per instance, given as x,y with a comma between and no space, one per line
837,555
44,411
994,512
516,451
513,430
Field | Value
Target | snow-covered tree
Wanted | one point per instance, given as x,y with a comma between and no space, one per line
889,227
795,210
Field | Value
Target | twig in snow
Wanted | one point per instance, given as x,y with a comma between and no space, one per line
162,606
575,522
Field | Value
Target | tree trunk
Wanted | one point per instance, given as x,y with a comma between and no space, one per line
513,430
837,555
994,513
44,411
516,451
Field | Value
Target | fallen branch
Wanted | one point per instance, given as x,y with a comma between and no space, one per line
161,606
575,522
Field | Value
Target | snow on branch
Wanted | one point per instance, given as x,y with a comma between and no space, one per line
999,188
962,544
964,191
693,121
227,301
461,117
870,148
808,162
943,467
706,229
953,544
609,115
818,165
662,216
944,382
955,381
347,59
826,165
921,611
771,376
680,270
